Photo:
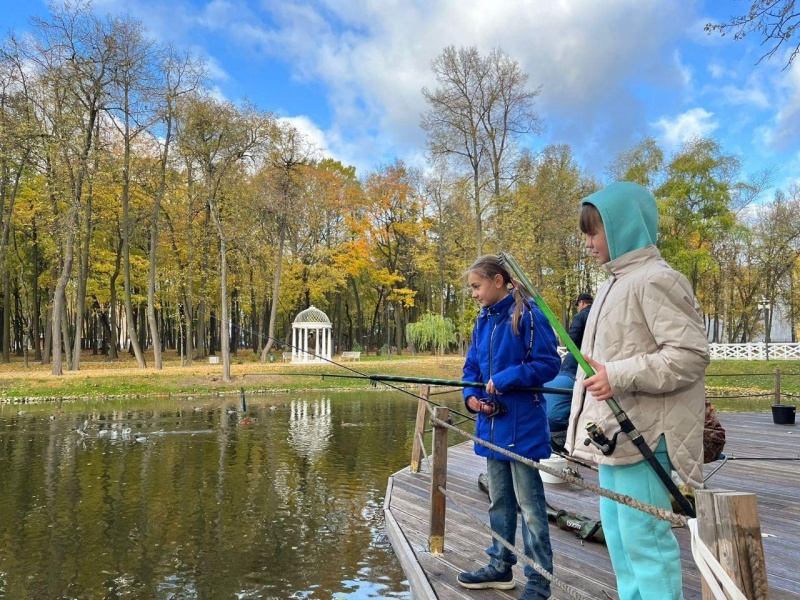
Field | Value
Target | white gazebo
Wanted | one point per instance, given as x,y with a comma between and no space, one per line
311,321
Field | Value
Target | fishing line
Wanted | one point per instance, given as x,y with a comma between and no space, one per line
279,344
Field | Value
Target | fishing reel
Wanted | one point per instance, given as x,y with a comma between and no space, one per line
598,438
493,408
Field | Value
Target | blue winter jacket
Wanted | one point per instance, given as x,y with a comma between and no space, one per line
512,361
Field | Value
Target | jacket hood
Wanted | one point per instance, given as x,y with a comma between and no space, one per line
630,216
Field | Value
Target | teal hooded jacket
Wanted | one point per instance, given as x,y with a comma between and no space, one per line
630,216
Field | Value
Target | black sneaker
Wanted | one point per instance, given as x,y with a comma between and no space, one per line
487,577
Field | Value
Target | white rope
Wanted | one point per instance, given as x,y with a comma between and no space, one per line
712,572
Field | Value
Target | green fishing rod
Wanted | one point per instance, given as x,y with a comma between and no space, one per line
429,381
596,435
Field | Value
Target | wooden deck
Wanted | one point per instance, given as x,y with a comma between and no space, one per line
585,565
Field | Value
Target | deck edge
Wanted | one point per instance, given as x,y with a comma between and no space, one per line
421,588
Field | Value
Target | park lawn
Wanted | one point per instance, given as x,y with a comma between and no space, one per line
99,378
734,385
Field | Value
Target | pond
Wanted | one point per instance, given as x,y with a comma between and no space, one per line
194,498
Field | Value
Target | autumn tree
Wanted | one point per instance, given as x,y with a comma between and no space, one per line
71,54
218,137
178,75
642,164
481,109
539,222
290,153
695,206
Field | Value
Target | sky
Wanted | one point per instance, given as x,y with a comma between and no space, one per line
349,73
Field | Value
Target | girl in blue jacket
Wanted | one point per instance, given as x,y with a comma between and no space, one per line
513,347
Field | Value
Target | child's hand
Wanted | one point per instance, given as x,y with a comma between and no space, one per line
474,404
490,389
597,384
479,406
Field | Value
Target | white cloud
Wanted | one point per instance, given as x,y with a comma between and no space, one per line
750,96
313,134
784,130
694,123
374,58
717,71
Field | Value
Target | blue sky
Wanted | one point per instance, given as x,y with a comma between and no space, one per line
348,73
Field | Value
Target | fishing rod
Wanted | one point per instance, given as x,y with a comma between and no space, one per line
430,381
358,374
724,458
596,435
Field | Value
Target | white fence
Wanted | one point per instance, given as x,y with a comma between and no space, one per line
751,351
756,351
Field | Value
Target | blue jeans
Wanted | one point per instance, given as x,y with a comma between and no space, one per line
512,483
643,550
558,405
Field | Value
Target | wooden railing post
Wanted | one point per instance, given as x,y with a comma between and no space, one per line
777,385
728,524
706,528
438,479
419,428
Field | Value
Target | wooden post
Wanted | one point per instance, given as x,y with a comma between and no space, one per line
706,528
777,385
419,428
438,479
728,524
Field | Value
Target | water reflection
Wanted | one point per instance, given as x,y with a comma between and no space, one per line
284,501
310,426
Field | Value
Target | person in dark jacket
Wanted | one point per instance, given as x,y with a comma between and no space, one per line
558,405
513,347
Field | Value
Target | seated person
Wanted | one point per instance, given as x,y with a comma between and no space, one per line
558,405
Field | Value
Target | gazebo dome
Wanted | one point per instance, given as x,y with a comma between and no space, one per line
311,315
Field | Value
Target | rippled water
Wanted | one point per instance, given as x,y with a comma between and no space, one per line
193,499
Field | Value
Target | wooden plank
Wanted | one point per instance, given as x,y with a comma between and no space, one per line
417,580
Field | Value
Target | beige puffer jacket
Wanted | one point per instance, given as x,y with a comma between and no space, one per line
646,327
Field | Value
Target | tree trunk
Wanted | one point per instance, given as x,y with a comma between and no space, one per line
151,275
275,289
126,243
48,330
6,315
36,326
83,275
225,346
59,297
254,325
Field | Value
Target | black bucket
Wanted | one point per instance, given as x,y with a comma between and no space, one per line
783,414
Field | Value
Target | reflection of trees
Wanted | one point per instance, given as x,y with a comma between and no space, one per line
289,501
310,427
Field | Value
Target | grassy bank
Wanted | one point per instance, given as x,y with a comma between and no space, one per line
99,378
732,385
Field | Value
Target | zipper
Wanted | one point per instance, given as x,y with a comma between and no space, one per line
598,303
491,357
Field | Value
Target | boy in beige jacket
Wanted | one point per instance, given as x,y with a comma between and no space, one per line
646,342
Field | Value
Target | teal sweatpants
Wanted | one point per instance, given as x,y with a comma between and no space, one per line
644,552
